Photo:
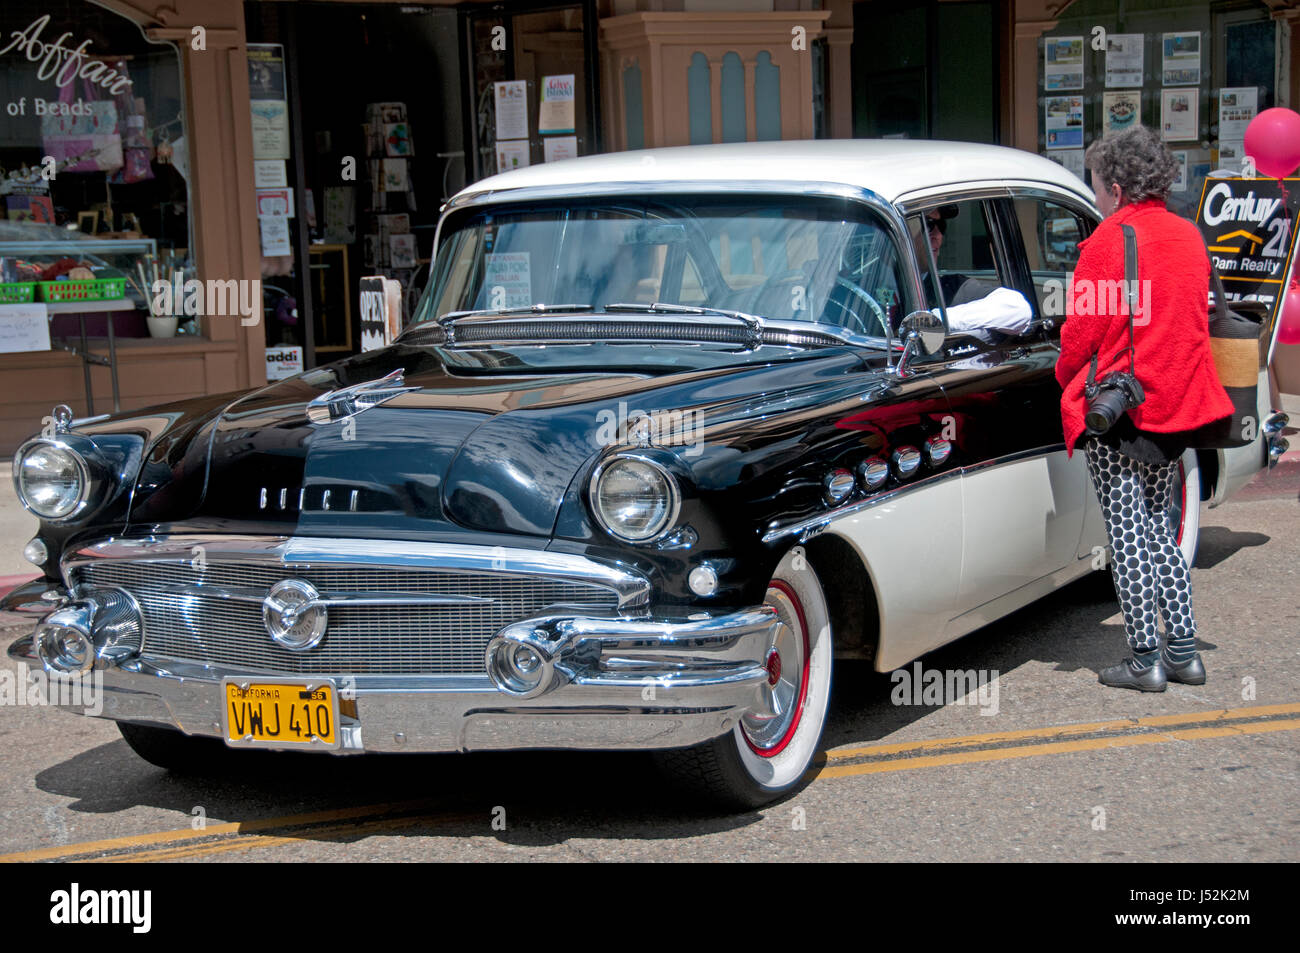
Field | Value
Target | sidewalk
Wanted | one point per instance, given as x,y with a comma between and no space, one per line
17,526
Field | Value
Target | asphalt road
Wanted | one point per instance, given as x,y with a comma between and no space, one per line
1060,768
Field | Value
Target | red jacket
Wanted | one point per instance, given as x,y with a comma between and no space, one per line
1172,343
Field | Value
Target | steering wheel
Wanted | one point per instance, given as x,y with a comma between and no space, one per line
878,312
766,286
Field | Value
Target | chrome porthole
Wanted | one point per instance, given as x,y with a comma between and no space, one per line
905,461
937,451
872,473
837,486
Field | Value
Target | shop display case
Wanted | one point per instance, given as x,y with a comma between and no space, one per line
82,311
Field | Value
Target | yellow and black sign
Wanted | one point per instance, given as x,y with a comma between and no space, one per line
1249,226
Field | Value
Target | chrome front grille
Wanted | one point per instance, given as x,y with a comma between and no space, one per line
211,613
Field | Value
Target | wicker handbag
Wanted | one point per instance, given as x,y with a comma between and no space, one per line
1235,343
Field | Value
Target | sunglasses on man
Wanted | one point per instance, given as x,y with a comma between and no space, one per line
937,225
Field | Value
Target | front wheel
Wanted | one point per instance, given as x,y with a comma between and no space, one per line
171,749
771,748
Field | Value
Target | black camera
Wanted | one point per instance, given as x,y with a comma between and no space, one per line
1108,398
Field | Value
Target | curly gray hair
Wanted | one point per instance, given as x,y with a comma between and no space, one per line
1137,160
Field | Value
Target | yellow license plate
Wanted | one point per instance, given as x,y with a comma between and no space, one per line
270,713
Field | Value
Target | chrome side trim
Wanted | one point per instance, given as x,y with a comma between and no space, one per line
1015,457
631,587
809,527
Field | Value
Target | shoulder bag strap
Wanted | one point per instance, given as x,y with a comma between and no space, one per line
1216,285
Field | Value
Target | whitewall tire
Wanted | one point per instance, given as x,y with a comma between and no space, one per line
1185,507
771,749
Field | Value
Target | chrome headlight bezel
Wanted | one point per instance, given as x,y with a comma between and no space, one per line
672,498
85,474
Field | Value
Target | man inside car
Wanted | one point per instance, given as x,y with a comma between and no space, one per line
974,306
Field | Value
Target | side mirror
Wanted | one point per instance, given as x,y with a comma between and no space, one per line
921,331
928,328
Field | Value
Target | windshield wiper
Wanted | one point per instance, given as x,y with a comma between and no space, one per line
538,308
753,324
659,307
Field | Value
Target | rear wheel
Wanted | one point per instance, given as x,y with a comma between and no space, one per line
771,748
1185,506
171,749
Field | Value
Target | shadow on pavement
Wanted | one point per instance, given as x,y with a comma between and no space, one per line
1218,543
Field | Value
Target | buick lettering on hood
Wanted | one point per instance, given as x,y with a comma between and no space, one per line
668,434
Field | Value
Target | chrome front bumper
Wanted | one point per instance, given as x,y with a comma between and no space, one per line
618,678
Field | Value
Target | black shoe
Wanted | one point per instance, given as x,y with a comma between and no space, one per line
1127,674
1190,672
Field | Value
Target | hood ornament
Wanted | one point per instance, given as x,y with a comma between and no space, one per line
346,402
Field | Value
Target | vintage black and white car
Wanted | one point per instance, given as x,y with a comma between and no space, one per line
669,433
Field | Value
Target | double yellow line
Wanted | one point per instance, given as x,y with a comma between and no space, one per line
1062,739
842,762
243,835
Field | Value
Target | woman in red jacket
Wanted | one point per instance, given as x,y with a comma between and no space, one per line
1134,463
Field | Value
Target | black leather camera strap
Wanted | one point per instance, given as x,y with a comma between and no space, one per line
1130,285
1131,296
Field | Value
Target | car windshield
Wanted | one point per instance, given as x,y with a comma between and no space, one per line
825,261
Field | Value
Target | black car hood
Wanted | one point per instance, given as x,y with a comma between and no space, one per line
485,440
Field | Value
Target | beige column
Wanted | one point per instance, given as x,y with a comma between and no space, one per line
751,98
715,94
839,82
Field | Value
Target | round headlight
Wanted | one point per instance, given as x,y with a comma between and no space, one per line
635,499
51,480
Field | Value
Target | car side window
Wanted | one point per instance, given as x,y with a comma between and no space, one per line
1051,233
961,238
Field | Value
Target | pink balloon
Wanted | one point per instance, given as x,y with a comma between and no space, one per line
1273,141
1288,331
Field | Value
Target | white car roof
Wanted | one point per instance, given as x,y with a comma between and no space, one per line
892,168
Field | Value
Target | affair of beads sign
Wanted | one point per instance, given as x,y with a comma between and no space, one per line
61,62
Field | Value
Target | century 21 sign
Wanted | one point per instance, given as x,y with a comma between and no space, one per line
61,63
1250,233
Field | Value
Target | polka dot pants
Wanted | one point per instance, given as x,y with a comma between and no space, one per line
1149,569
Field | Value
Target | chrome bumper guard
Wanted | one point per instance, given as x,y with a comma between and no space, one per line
621,680
1275,444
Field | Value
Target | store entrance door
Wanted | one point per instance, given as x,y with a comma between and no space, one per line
368,136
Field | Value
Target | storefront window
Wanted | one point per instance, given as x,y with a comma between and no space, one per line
1195,72
93,160
531,72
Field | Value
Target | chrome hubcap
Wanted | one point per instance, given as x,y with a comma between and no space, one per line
769,725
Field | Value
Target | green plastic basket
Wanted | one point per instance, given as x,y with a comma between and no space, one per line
96,289
17,292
